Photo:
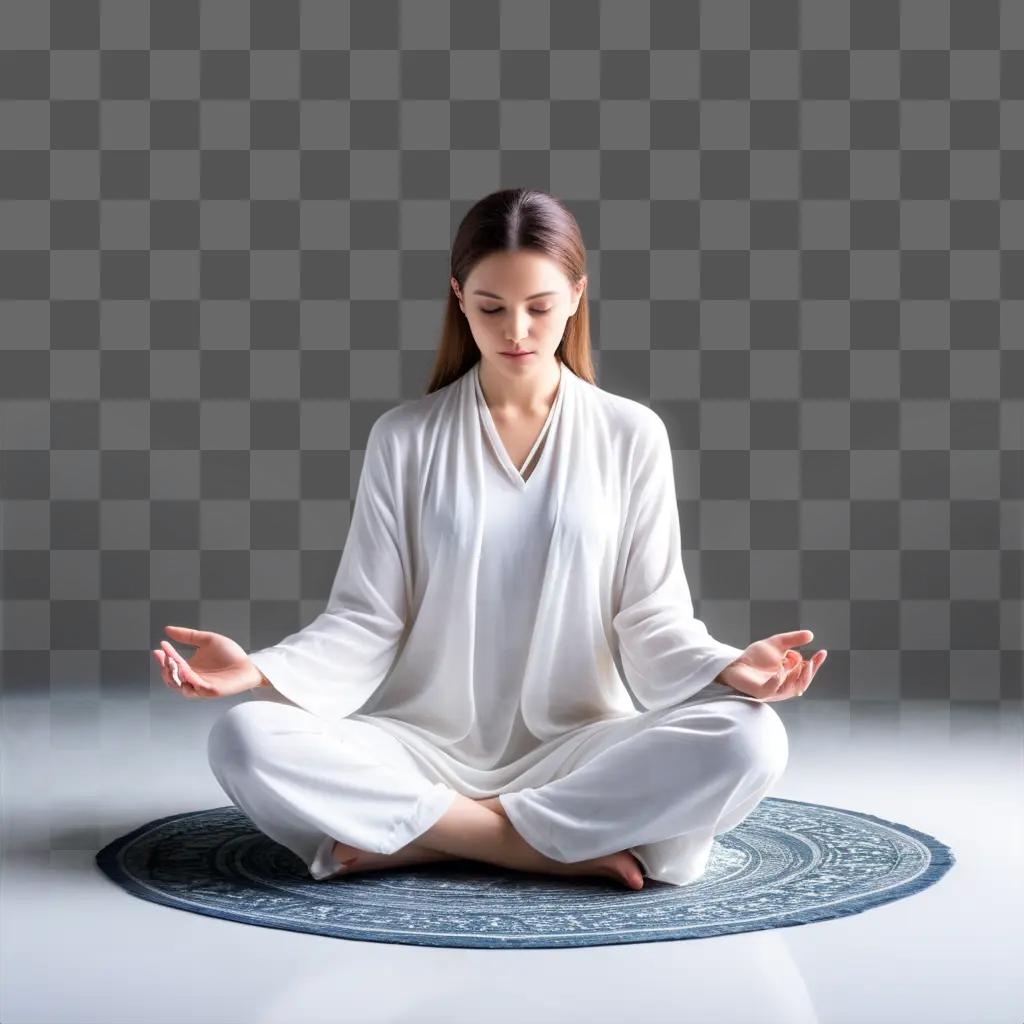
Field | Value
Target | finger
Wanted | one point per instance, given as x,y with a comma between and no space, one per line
812,667
800,675
161,659
790,660
792,685
169,671
175,672
165,671
185,674
785,677
824,655
814,664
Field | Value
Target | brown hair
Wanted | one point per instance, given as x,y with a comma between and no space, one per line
507,221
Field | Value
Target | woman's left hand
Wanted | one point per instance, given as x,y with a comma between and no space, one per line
771,670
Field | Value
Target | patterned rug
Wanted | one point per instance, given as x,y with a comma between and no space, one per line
787,863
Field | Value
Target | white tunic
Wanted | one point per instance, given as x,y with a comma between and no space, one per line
477,615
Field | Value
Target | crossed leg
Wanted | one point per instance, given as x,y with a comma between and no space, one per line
661,784
622,866
686,773
355,860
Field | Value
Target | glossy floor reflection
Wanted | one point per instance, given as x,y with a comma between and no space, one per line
78,772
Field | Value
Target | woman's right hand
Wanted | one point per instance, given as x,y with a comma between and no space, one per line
219,668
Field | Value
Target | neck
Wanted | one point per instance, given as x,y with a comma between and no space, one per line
520,394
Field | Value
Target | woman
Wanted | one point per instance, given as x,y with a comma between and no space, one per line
515,531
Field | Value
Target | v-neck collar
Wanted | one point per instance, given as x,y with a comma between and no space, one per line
515,474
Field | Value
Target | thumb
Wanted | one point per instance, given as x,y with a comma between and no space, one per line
797,638
187,635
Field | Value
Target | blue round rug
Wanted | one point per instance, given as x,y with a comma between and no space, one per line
789,862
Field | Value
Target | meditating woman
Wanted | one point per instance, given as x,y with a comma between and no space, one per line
512,565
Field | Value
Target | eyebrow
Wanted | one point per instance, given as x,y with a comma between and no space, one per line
536,295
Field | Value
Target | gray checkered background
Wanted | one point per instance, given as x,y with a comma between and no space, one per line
225,229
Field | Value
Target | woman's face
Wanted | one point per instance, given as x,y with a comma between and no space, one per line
518,302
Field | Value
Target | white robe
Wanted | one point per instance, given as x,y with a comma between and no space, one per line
476,615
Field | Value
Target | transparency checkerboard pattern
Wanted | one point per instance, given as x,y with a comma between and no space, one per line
224,232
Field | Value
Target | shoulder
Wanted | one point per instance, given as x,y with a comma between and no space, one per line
401,426
637,425
634,434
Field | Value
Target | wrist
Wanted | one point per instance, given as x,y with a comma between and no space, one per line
723,676
261,679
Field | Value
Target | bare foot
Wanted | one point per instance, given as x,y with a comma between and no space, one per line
354,860
622,867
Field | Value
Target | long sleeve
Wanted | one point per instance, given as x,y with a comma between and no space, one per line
667,653
332,666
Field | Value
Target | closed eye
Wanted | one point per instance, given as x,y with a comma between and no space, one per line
539,312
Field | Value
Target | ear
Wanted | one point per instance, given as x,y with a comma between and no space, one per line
455,288
578,292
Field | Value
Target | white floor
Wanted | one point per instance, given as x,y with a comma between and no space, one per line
75,948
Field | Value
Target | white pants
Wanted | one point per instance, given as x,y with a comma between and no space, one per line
662,784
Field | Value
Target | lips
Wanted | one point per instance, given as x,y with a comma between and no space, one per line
517,353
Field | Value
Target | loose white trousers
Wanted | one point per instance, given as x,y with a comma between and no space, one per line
662,784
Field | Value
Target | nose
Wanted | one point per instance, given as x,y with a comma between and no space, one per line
518,327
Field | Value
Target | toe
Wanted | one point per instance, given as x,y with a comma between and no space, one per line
345,856
635,873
